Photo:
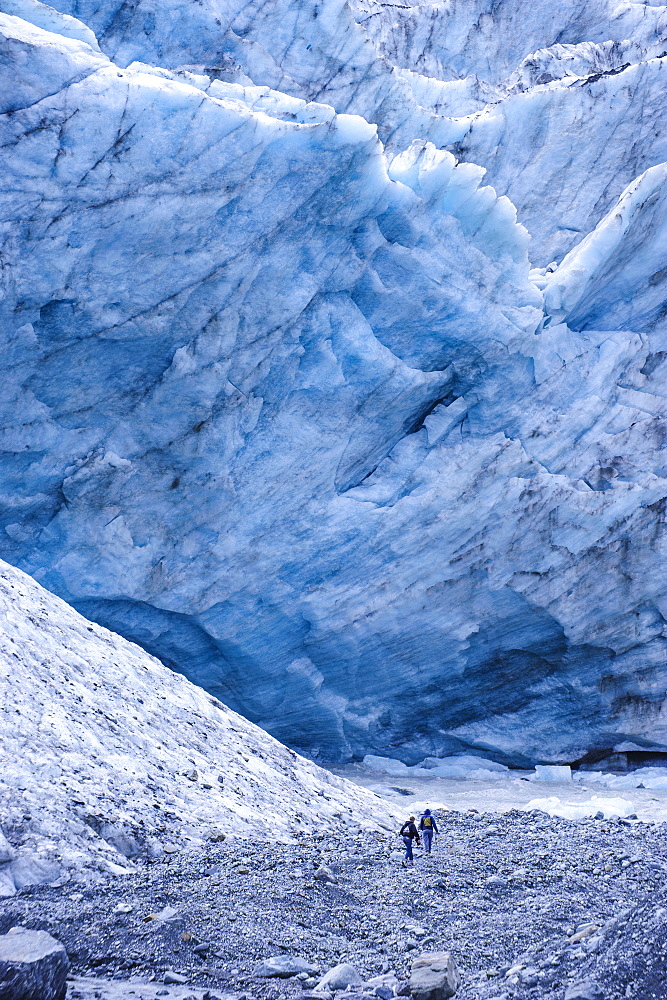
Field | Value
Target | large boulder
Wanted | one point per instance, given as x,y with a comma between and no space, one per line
434,977
23,871
33,966
339,978
30,870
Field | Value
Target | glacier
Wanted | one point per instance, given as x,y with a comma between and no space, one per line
294,399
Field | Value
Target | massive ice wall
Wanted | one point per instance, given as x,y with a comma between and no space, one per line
294,413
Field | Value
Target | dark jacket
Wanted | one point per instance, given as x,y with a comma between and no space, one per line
409,830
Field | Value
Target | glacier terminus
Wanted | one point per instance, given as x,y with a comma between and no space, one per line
334,358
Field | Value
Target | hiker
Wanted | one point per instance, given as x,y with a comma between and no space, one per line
428,827
409,832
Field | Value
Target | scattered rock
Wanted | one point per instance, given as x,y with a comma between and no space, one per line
586,990
324,874
168,913
174,978
434,977
116,869
282,967
29,870
529,976
122,908
369,922
33,966
388,980
7,887
7,852
339,978
585,932
514,970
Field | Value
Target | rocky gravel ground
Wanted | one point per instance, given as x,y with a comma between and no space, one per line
530,906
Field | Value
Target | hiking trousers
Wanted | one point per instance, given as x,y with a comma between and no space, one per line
427,837
408,848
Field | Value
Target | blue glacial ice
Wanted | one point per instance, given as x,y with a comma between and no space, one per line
285,399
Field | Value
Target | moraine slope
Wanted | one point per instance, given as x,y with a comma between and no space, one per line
107,754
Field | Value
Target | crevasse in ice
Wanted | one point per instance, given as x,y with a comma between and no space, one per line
292,399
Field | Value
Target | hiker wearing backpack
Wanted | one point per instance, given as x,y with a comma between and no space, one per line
428,827
408,832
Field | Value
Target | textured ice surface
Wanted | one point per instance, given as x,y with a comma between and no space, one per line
610,808
552,772
562,151
562,103
617,272
510,789
461,766
106,753
455,39
643,777
311,50
293,411
566,101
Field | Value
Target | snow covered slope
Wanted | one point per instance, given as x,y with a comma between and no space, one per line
293,411
105,753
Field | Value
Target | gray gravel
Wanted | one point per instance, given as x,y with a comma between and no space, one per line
529,905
